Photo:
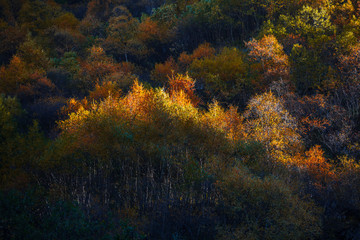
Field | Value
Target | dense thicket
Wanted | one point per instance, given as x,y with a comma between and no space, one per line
179,119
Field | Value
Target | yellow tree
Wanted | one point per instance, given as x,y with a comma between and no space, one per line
273,63
202,51
223,75
268,122
12,76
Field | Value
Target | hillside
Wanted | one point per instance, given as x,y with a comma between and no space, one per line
180,119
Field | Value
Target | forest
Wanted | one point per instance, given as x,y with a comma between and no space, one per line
180,119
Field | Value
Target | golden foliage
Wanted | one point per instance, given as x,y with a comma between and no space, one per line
317,165
202,51
183,83
268,122
105,90
163,71
270,54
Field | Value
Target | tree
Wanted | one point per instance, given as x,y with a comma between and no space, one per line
33,56
13,75
122,35
308,37
29,63
202,51
37,16
162,71
21,146
269,53
320,121
264,208
66,21
183,83
96,68
349,64
10,39
268,122
223,75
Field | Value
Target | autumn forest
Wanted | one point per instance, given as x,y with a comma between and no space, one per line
180,119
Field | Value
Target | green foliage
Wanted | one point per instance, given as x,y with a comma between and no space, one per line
70,63
66,21
179,162
309,71
122,38
165,14
314,24
224,75
33,56
18,151
29,215
10,109
308,37
25,69
36,16
257,208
